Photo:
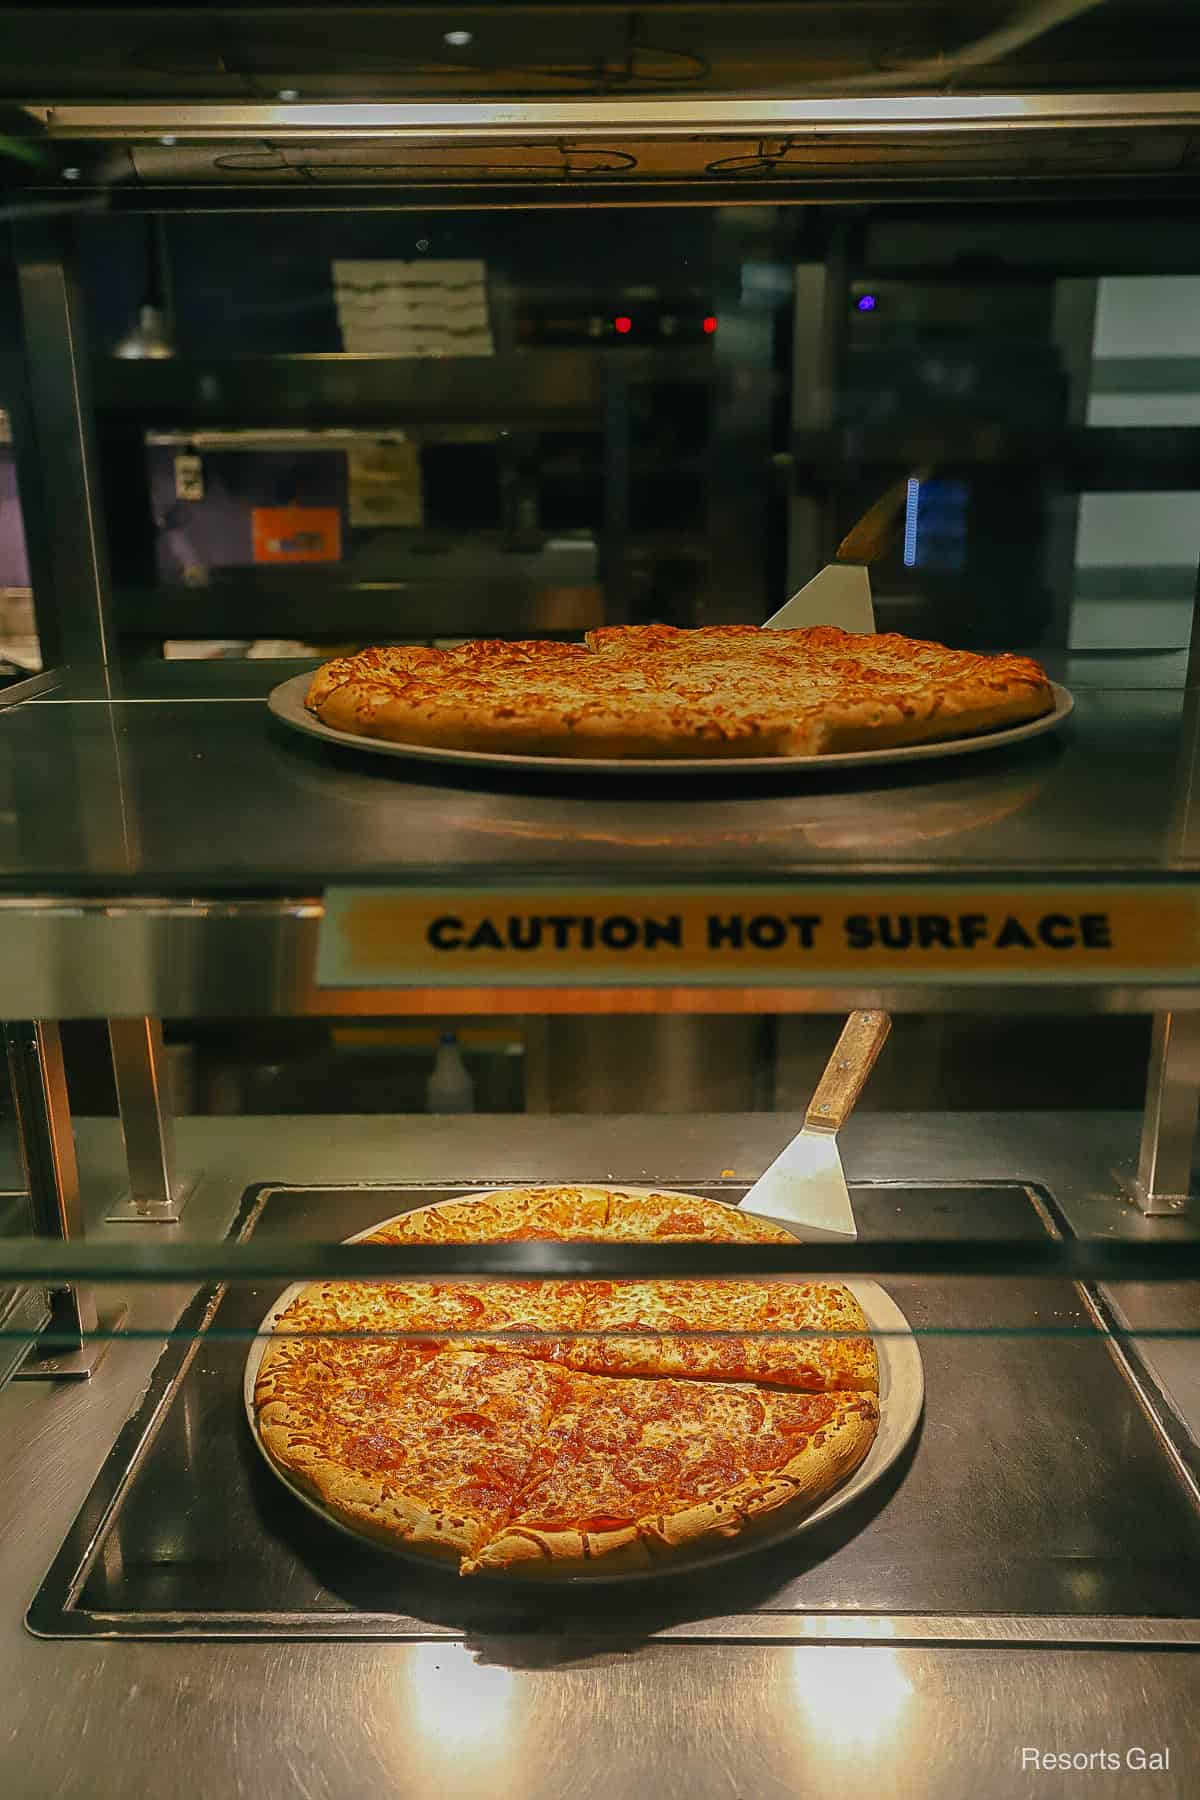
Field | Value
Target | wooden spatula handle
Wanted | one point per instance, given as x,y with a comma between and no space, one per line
863,1037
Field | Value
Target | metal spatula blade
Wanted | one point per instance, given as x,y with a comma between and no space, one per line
806,1184
839,595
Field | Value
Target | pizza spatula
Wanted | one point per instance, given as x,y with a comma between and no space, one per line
805,1185
841,593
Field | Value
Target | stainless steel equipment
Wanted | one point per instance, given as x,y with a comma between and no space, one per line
1025,1588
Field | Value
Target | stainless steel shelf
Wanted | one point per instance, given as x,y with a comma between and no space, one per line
166,849
564,596
1092,459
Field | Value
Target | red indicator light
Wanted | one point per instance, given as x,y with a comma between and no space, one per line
710,325
622,323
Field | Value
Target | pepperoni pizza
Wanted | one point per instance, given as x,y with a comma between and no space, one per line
528,1427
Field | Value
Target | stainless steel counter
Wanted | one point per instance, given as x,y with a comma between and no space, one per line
561,1716
185,785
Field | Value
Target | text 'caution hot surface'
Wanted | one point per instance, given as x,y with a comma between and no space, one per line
713,936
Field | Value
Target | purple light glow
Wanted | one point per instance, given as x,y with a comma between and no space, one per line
866,303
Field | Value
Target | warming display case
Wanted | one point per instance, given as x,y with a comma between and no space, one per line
326,1470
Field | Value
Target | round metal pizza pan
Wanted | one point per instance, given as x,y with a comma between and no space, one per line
287,703
901,1400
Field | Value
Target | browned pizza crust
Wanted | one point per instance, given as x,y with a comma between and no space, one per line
367,1504
657,691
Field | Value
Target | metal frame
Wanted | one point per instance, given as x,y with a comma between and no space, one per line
818,331
1164,1173
75,1339
1163,1181
735,584
1075,303
237,958
55,449
157,1192
524,121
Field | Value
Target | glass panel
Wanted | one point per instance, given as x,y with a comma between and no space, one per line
419,426
20,654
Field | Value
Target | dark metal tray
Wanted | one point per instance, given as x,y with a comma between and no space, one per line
1047,1487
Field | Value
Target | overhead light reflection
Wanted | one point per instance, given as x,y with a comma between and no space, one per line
149,339
854,1695
456,1700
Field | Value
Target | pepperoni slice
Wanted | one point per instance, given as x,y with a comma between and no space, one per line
767,1450
646,1468
375,1450
680,1220
473,1421
711,1475
483,1495
803,1413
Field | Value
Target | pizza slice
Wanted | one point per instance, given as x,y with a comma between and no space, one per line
665,1218
639,641
796,1334
380,1308
430,1315
300,1367
525,655
561,1213
389,665
438,1468
631,1470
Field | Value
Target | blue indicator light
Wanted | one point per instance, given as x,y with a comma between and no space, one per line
866,303
912,508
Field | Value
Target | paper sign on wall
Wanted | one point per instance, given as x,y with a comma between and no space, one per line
296,534
385,485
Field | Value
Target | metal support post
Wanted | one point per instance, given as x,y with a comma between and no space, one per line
69,1348
54,447
1074,331
616,572
740,583
1164,1171
818,328
157,1193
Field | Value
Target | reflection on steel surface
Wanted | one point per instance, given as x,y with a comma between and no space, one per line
855,1697
457,1699
527,121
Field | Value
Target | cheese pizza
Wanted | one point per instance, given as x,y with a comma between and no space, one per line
527,1427
660,691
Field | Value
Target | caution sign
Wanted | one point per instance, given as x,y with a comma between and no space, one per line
722,936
